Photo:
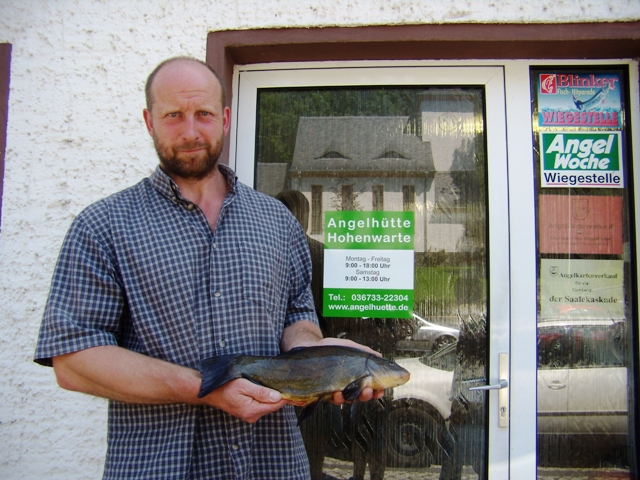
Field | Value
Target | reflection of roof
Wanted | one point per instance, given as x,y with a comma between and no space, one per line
271,177
375,145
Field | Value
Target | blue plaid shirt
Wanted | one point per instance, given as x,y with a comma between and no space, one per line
142,269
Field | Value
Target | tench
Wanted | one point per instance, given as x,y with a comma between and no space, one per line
307,375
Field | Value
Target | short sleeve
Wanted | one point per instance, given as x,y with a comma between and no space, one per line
300,305
85,301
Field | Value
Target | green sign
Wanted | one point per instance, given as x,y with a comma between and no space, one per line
581,159
369,230
368,264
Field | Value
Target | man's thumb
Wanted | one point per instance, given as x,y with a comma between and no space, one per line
267,395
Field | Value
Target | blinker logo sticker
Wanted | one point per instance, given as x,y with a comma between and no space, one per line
548,84
579,100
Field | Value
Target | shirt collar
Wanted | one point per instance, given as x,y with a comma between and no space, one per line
168,188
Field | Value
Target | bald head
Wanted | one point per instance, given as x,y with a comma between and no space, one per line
175,62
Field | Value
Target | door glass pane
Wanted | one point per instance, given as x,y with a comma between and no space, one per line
405,149
587,318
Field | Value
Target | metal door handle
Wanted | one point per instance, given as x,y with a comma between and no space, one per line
496,386
503,387
557,386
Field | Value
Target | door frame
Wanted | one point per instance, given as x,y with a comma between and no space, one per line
513,275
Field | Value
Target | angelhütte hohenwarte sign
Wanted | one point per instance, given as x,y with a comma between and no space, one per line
368,264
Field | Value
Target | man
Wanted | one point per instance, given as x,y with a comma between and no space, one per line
187,264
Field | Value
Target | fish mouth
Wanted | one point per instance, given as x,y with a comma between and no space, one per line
404,378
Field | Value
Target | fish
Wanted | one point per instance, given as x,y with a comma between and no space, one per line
308,376
594,101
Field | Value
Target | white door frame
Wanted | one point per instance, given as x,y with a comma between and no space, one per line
512,249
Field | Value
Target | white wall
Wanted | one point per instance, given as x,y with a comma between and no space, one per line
75,134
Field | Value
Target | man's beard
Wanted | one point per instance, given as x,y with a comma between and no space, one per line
196,166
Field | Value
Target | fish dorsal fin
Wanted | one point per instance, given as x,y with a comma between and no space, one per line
296,349
351,391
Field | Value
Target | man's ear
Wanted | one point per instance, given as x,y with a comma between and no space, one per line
148,121
226,119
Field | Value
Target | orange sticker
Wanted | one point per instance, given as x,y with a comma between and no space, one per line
580,224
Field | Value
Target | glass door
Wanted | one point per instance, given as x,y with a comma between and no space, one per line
586,305
414,148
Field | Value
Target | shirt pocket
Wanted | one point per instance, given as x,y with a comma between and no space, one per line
262,274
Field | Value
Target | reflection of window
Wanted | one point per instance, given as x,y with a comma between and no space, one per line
409,198
347,197
393,154
316,209
332,154
450,205
378,197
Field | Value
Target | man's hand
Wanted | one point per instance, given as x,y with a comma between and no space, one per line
245,400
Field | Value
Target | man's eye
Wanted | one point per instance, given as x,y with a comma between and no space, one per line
205,114
173,114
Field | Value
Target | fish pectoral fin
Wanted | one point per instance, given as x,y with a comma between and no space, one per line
351,391
252,380
311,407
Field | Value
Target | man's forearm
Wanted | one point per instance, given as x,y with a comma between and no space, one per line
300,334
118,374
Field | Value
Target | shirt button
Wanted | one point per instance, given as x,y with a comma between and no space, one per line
235,446
223,343
217,294
191,206
214,246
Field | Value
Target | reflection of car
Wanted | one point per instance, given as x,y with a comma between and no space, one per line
428,336
582,386
417,419
582,398
579,311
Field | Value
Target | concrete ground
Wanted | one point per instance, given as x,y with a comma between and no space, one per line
339,470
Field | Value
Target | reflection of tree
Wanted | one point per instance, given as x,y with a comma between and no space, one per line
344,197
468,420
471,187
279,111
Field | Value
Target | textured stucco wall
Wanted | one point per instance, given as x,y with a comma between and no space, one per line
76,134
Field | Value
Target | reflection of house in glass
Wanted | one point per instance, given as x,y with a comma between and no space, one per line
361,163
372,163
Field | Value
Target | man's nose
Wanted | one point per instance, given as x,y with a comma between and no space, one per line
190,131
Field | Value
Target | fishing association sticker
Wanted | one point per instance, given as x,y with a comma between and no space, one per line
579,100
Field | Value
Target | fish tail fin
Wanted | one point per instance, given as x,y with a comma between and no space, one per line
577,102
216,371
